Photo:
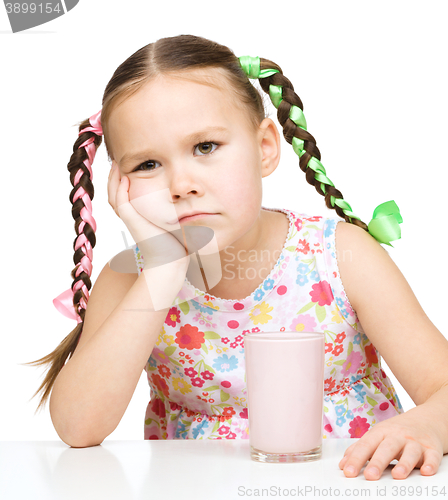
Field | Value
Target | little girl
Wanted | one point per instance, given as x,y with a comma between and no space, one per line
187,134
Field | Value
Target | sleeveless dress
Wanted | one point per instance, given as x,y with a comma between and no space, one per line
196,371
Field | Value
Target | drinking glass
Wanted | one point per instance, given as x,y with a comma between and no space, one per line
285,391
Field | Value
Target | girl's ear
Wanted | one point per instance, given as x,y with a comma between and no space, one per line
269,140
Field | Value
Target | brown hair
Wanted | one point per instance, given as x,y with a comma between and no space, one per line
171,55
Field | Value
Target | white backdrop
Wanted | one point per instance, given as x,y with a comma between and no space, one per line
373,80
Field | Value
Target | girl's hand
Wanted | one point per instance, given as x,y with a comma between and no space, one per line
409,437
157,245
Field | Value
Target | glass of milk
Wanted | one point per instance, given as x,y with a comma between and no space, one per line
285,391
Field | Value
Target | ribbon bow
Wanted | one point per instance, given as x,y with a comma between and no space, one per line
384,226
95,121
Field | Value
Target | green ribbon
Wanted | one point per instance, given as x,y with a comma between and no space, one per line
297,116
251,66
384,226
275,93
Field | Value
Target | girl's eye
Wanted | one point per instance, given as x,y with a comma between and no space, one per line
150,164
205,148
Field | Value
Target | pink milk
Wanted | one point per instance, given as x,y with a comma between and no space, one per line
285,390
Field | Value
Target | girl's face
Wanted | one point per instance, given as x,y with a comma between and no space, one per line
188,147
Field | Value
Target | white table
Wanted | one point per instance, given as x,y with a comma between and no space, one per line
190,469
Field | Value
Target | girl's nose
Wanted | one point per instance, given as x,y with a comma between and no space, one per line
183,183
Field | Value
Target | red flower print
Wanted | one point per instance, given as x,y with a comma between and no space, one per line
174,406
190,372
328,347
338,349
197,382
223,430
315,218
322,293
225,340
340,337
328,428
298,223
231,435
164,371
189,337
228,412
371,356
239,338
243,414
158,408
173,317
303,247
161,384
358,427
329,384
207,375
233,345
189,413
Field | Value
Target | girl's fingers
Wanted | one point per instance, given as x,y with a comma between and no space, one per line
411,456
112,186
370,447
122,204
346,455
139,227
431,462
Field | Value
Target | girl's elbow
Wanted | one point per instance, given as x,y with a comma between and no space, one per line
80,441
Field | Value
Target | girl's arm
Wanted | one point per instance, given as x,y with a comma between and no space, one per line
412,347
94,388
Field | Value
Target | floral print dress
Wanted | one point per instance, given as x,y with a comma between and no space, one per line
196,371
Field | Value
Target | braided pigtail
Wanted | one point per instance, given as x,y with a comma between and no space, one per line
73,302
81,196
384,225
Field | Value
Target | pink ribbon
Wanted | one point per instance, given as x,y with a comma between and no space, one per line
64,301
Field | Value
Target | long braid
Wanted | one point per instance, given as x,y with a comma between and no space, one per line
73,302
291,118
81,197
